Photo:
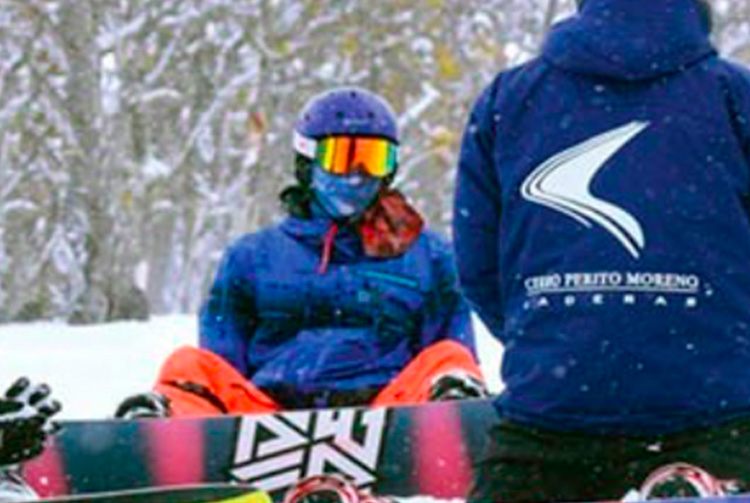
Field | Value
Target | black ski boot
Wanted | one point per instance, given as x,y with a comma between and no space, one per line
456,385
144,405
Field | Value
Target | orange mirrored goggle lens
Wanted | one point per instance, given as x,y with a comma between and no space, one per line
345,155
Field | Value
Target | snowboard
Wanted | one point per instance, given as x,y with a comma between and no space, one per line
215,493
400,451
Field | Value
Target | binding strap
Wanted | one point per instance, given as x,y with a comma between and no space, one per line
200,391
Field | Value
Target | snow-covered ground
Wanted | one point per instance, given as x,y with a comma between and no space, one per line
92,368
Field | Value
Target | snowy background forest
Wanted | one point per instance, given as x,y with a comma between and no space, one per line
138,137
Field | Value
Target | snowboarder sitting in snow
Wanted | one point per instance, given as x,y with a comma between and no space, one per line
25,422
348,301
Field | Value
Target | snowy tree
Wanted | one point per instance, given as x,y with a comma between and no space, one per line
139,137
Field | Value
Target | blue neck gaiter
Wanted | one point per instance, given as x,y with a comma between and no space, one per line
342,197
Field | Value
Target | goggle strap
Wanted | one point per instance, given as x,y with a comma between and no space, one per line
305,146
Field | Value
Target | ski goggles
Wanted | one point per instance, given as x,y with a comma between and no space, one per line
346,155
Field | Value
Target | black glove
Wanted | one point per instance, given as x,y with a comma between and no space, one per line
456,385
144,405
25,412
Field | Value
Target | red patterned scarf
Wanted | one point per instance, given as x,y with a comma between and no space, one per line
390,226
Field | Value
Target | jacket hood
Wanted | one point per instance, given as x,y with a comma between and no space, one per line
630,39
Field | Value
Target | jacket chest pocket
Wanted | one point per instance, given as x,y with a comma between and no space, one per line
389,304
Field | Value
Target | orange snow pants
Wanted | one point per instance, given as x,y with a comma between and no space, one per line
200,383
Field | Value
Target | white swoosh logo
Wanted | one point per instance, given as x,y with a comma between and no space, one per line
563,184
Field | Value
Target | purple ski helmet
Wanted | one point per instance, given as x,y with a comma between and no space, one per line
347,111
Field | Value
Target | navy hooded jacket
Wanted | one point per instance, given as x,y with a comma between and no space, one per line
602,228
302,336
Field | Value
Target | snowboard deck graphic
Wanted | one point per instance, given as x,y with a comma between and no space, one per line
400,451
215,493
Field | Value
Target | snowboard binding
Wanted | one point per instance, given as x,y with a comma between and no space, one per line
329,489
683,480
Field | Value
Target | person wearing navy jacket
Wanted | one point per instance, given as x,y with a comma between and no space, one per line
602,233
347,301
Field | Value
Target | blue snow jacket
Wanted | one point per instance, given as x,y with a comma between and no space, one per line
304,337
602,226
